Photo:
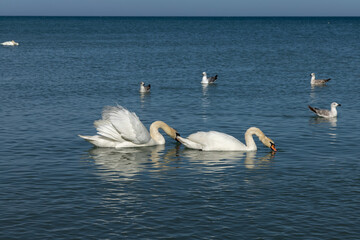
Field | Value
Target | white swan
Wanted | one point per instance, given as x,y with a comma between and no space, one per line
324,112
208,80
217,141
10,43
314,81
120,128
143,88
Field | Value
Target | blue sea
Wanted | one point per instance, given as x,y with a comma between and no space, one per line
55,84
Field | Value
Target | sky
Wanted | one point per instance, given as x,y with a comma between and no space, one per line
179,7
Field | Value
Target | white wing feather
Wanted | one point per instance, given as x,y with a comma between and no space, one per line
119,124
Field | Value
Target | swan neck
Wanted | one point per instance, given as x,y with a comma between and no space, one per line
156,135
250,143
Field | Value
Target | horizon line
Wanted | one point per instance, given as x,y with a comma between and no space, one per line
180,16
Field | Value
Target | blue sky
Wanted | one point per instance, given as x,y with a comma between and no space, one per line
180,7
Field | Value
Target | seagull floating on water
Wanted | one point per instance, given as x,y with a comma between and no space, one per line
208,80
10,43
143,88
324,112
318,81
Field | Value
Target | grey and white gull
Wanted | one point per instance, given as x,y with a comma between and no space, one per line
315,81
208,80
324,112
143,88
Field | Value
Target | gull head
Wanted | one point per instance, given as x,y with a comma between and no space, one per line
335,104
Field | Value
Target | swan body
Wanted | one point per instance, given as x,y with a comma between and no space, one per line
120,128
314,81
217,141
324,112
208,80
10,43
143,88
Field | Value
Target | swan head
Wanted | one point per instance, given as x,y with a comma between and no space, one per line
204,73
142,83
264,139
173,134
312,74
269,143
177,135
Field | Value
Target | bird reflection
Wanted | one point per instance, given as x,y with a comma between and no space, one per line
320,120
204,89
228,159
330,123
251,162
162,160
205,101
126,162
144,96
314,88
123,164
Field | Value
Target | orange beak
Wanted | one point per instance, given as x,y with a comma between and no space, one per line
273,147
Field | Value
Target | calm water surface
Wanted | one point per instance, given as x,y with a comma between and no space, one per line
55,185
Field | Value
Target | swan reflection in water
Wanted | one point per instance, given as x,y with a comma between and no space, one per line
120,164
228,159
127,162
123,164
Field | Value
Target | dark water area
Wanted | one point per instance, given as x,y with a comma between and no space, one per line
54,85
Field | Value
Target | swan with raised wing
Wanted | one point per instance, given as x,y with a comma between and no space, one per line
218,141
120,128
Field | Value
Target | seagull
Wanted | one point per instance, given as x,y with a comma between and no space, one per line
143,88
324,112
318,81
10,43
208,80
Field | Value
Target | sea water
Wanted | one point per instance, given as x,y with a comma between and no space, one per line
54,85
